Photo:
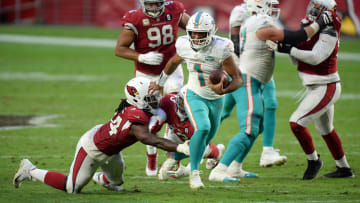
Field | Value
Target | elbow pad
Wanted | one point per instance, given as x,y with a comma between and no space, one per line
235,39
295,37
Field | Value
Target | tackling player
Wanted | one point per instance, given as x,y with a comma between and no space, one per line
317,66
204,53
101,146
152,29
269,155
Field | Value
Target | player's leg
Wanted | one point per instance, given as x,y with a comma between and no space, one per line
269,155
229,104
112,176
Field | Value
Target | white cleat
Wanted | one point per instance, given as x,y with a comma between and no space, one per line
221,176
240,173
165,167
195,180
97,179
211,163
181,172
23,172
151,166
272,157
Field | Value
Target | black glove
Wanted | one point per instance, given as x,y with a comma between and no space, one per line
304,22
324,19
284,48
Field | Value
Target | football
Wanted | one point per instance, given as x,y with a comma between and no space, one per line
216,76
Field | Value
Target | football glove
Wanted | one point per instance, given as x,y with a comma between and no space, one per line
324,19
151,58
284,48
184,148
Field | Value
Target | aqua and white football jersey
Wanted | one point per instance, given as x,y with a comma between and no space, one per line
203,62
256,59
238,15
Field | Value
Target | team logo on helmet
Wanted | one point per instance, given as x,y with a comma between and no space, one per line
132,90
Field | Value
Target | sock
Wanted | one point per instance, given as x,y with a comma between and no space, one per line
304,137
106,181
334,144
342,163
152,161
55,180
214,151
267,149
38,174
269,127
313,156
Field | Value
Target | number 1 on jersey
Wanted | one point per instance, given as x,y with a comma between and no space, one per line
197,67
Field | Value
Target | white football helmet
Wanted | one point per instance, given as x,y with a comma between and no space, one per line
324,5
180,105
201,22
153,12
136,91
275,12
259,7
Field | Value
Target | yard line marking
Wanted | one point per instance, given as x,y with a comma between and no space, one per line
44,77
105,43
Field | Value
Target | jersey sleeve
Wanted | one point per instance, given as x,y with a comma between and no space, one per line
138,116
180,42
129,21
237,16
264,21
175,6
228,50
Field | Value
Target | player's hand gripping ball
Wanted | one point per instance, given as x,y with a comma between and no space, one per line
216,76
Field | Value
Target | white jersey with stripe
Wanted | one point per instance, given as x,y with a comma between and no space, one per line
201,63
256,59
238,15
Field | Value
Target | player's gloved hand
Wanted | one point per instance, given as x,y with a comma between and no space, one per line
304,22
184,148
324,19
271,45
151,58
284,48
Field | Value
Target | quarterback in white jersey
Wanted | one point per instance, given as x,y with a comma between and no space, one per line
203,53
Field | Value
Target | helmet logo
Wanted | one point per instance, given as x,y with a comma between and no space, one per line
132,90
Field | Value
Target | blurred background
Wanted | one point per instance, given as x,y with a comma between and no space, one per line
108,13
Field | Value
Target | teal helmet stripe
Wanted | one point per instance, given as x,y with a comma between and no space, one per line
197,19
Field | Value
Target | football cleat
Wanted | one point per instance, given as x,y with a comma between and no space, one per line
98,179
151,165
23,172
165,167
195,180
271,157
221,176
181,172
313,168
211,163
240,173
341,173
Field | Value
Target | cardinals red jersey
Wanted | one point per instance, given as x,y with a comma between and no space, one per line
155,34
184,130
114,136
328,66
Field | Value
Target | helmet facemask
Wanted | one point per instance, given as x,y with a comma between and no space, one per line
180,106
275,12
318,6
153,12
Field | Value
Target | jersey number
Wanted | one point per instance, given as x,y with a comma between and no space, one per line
154,35
114,124
242,40
197,68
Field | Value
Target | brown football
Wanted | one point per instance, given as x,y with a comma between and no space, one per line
216,76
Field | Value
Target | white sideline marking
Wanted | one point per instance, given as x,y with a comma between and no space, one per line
39,76
35,122
294,94
105,43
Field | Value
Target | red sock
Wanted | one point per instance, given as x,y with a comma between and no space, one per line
334,144
55,179
105,179
214,151
304,137
152,161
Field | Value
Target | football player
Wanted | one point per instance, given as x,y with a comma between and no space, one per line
101,146
269,155
152,29
257,28
317,66
172,111
203,52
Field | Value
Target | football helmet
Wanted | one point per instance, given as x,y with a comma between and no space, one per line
201,22
153,12
179,104
259,6
275,12
315,9
136,91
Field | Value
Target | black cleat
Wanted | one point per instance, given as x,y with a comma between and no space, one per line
313,168
341,173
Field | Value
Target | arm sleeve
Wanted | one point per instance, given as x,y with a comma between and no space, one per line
321,51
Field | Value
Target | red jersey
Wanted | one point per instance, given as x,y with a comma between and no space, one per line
184,130
114,136
155,34
329,65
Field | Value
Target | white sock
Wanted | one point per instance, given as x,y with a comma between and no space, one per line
38,174
342,163
313,156
266,149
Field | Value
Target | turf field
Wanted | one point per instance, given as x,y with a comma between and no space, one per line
80,86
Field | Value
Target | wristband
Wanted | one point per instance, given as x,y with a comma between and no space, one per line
162,79
315,26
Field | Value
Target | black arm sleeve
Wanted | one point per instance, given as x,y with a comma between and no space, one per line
295,37
236,41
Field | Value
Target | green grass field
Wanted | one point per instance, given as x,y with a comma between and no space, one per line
82,86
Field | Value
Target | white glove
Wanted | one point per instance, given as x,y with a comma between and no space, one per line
184,148
271,45
151,58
